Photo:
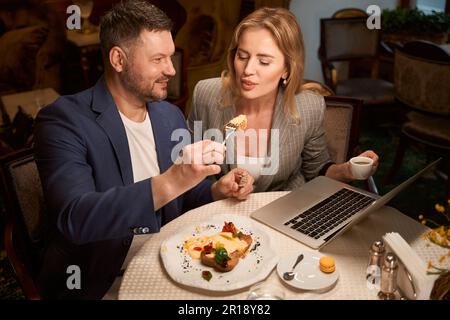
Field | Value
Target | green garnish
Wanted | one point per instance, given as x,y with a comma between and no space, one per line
221,256
207,275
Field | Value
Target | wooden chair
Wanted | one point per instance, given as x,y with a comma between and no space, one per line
317,87
342,121
342,125
422,85
26,218
342,128
349,13
349,57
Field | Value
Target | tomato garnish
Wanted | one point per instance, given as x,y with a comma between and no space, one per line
229,227
208,248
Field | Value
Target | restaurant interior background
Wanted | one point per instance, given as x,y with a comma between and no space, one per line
41,59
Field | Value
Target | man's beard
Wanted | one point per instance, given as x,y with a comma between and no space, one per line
135,83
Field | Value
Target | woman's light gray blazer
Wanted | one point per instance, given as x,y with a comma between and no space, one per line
302,147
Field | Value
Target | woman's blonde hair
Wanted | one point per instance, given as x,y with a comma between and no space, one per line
282,24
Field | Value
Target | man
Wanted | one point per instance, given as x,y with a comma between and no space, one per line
104,156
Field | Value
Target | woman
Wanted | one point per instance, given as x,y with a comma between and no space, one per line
263,81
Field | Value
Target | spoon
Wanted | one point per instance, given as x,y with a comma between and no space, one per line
289,275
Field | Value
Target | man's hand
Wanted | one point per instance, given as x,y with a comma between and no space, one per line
231,185
195,163
199,160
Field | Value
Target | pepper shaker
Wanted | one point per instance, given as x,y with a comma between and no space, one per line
389,271
376,253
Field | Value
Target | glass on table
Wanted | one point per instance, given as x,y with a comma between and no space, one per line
266,291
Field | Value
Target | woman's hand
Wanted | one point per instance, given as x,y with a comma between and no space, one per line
342,171
372,155
231,186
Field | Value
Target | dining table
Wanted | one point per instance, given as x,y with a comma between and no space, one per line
146,278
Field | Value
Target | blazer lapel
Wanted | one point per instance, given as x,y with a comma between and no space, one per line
161,134
109,119
280,122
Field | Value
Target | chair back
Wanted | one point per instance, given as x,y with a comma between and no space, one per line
342,127
26,217
426,50
349,50
422,83
349,12
317,87
347,39
342,116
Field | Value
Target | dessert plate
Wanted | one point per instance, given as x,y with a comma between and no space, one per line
308,275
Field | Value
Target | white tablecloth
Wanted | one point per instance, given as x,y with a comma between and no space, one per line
145,277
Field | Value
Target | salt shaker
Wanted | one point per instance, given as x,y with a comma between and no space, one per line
376,253
373,271
389,271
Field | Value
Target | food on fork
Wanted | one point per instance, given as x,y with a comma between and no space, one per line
327,264
239,122
221,251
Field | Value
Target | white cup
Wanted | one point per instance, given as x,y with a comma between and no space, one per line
361,167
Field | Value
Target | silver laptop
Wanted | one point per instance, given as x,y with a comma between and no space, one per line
320,210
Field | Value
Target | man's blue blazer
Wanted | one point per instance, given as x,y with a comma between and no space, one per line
94,208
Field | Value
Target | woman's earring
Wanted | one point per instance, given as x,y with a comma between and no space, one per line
284,82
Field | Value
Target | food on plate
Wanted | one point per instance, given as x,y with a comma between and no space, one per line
221,251
327,264
207,275
239,122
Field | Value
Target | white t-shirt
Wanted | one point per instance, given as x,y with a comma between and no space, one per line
142,148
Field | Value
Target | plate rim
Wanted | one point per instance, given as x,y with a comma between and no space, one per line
271,261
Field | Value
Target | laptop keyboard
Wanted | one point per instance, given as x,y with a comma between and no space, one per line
327,214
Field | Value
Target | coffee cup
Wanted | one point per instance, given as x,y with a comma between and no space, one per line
361,167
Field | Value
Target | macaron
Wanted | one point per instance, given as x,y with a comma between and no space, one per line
327,264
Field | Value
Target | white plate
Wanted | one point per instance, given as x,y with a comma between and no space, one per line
255,267
308,275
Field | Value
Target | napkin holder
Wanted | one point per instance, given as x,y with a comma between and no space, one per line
408,287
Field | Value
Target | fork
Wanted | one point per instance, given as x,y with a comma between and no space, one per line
229,134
